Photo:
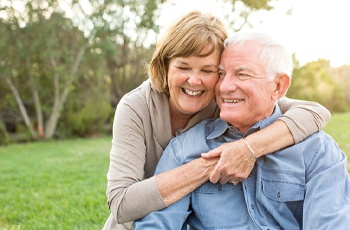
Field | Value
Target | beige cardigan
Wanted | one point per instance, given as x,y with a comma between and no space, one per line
142,130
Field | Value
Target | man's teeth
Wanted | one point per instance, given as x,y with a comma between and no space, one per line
192,93
232,101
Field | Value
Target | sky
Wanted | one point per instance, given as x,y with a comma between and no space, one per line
315,29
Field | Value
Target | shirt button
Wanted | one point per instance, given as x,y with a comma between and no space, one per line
278,194
220,188
252,206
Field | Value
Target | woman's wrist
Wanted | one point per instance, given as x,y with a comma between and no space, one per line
250,149
271,138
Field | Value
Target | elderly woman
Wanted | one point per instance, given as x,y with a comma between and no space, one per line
179,94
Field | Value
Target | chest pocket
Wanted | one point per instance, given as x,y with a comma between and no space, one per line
283,187
282,195
220,206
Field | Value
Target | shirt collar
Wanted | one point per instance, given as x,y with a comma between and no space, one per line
222,126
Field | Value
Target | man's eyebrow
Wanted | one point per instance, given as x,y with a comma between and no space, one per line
244,68
241,68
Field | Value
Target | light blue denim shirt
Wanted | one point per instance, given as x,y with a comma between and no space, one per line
305,186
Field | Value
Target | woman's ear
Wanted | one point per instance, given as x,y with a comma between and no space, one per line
282,84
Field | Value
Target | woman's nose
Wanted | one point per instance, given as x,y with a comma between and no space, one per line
194,78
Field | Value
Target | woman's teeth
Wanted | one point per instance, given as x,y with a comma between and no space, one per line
192,93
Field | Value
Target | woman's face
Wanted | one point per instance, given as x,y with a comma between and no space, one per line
192,81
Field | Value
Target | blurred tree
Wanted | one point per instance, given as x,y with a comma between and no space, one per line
46,51
122,30
341,76
56,55
239,12
315,82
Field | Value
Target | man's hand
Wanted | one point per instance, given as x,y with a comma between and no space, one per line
236,162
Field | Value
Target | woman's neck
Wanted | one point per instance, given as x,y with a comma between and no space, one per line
178,120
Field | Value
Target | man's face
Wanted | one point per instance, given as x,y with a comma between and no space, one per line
243,92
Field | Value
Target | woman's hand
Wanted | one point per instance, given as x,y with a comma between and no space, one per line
235,164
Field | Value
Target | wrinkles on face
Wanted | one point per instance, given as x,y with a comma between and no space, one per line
192,82
243,92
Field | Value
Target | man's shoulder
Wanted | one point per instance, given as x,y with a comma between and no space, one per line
317,145
318,138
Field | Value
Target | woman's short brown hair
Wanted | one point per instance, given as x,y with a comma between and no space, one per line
187,36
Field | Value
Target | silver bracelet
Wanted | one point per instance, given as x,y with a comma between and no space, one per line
251,150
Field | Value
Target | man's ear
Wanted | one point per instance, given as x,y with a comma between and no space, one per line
282,83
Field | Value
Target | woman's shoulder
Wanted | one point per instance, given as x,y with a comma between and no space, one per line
143,99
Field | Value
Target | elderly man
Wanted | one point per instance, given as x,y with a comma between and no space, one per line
305,186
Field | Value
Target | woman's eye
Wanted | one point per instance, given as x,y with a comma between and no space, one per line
208,71
183,68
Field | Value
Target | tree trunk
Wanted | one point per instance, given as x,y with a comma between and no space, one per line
60,99
37,105
21,107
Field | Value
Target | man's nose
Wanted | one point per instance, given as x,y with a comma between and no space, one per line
228,83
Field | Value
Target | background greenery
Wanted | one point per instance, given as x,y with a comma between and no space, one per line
65,65
61,184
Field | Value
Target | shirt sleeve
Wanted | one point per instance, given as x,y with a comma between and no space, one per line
303,118
174,216
129,195
327,190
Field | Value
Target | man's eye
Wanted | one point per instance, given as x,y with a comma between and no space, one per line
243,76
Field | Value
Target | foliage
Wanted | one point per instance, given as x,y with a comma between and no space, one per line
63,62
54,185
316,82
4,137
341,76
84,119
44,52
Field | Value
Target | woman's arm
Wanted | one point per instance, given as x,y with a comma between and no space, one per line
129,194
303,118
134,192
177,183
300,120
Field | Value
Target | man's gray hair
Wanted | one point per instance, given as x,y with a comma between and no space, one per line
274,56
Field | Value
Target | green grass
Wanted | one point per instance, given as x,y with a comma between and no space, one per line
339,128
54,185
61,184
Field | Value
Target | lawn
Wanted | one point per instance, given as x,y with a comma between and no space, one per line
54,185
339,129
61,184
